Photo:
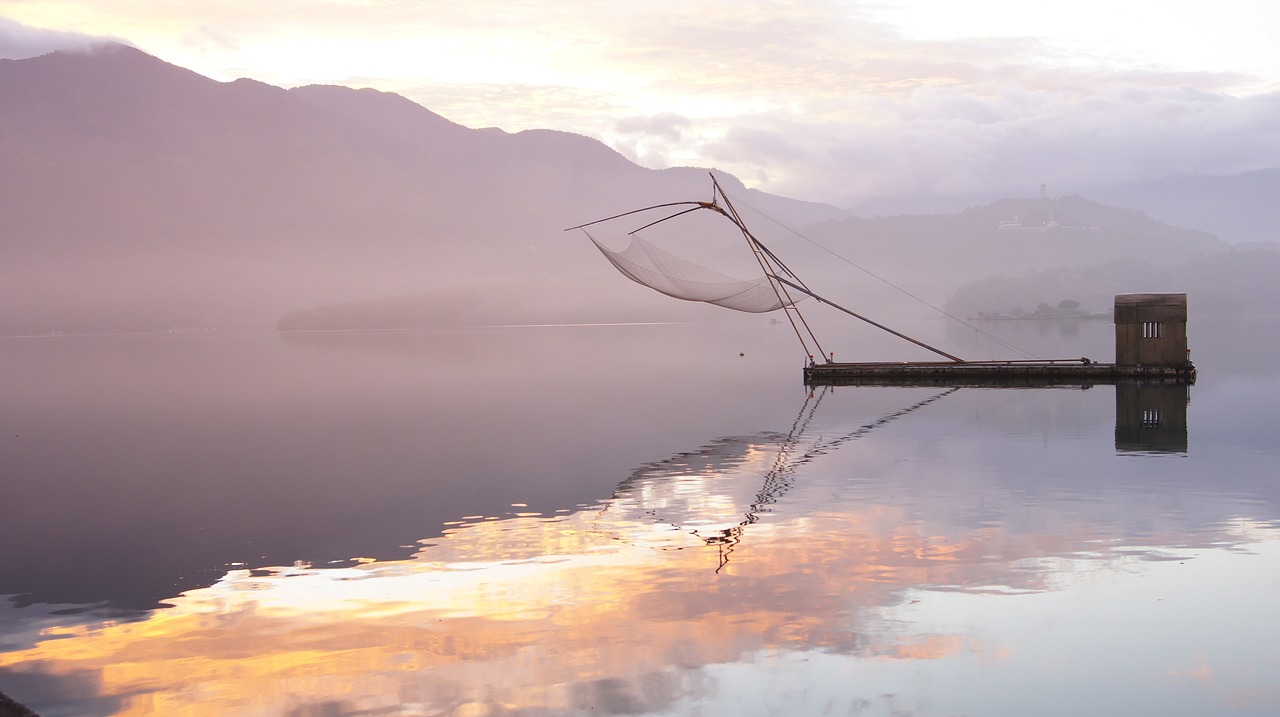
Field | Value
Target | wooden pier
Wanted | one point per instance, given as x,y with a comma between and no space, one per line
992,373
1151,347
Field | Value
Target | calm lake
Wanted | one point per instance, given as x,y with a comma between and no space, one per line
636,520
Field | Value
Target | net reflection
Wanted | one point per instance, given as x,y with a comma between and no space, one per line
687,492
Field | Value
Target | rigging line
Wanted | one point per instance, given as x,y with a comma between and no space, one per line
768,260
774,489
736,218
820,448
788,304
774,485
780,290
680,213
782,462
781,286
885,281
856,315
761,254
633,211
729,538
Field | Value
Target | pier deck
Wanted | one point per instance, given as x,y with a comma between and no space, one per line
992,373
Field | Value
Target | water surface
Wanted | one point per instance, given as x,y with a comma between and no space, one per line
627,520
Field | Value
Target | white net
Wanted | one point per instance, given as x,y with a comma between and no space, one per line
678,278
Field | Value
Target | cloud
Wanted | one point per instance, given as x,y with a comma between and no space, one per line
207,39
811,100
820,99
654,141
939,140
18,41
518,106
668,126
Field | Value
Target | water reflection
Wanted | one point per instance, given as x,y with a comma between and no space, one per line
884,561
687,492
1152,417
137,467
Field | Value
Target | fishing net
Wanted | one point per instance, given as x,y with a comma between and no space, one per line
664,272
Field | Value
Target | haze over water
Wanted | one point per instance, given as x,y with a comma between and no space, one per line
628,520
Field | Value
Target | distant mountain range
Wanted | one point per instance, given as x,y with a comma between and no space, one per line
1239,208
137,195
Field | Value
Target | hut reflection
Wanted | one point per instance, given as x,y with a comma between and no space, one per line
1152,417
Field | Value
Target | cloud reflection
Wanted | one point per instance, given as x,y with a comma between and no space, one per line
622,608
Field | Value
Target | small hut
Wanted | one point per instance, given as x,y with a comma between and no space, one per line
1151,330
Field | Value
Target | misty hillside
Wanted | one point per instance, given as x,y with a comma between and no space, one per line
1238,208
1079,266
138,195
1240,280
1008,256
1016,234
932,255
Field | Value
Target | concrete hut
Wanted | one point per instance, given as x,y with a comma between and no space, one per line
1151,330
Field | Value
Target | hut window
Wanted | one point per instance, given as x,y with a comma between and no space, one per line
1151,418
1152,329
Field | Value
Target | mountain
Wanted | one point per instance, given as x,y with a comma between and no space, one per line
1008,256
932,255
135,194
1238,208
1239,280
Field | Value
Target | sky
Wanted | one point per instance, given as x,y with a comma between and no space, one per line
831,100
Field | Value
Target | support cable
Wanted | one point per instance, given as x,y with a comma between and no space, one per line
885,281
